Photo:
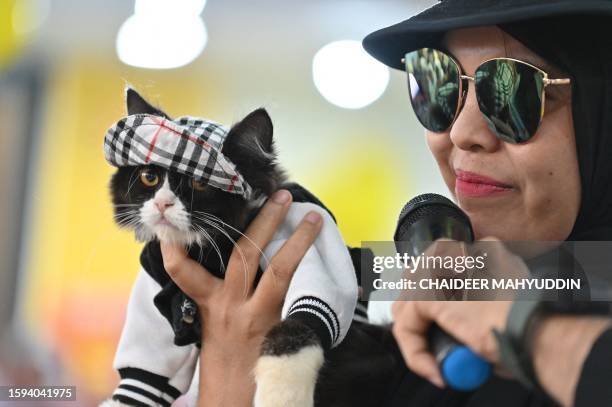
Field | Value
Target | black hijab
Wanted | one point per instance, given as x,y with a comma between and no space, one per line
582,47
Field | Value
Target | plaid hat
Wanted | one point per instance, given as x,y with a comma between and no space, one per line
188,145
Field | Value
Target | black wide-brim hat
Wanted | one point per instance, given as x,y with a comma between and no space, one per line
389,45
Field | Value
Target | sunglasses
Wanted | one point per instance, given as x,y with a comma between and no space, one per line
510,93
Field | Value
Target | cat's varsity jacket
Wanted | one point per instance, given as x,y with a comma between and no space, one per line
159,345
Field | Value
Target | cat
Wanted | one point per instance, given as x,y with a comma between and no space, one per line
160,204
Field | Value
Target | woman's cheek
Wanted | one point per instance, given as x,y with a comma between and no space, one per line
441,147
550,199
555,177
439,143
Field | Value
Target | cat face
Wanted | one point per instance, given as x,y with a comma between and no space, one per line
160,204
157,203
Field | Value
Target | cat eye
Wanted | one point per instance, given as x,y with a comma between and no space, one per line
149,178
197,185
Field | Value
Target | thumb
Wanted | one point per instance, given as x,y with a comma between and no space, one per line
189,275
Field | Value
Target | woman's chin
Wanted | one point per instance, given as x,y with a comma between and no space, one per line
493,218
492,226
491,202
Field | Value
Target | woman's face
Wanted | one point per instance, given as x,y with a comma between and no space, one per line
543,197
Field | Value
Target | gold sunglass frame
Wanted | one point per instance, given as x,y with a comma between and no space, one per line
465,78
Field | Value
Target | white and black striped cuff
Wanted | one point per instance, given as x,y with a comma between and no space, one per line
361,314
319,316
144,389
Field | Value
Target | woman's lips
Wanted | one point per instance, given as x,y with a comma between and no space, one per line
476,185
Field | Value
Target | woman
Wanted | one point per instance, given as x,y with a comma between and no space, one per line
518,175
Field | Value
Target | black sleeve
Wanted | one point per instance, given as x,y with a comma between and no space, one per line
595,383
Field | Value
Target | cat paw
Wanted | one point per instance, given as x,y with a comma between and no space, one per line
286,373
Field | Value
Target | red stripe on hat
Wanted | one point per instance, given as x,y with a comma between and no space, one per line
232,182
152,145
196,140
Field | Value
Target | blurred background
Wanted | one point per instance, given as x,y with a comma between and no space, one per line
343,126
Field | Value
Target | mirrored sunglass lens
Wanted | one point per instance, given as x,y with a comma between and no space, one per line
433,82
509,94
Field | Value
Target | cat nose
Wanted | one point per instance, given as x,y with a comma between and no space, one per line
163,204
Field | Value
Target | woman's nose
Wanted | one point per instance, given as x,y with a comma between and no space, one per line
470,131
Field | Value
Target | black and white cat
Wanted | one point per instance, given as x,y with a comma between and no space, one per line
157,352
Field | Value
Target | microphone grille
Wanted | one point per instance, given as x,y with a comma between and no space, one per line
426,205
441,217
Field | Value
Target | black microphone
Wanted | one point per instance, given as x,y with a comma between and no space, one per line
423,219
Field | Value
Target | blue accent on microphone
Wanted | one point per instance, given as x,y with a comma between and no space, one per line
464,370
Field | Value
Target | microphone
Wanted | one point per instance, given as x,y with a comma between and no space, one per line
424,219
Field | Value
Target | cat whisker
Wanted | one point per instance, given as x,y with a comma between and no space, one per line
215,218
124,214
240,252
201,255
124,211
131,183
125,217
129,223
208,237
219,226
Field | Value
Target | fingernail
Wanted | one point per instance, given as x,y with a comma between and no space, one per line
437,381
313,217
281,197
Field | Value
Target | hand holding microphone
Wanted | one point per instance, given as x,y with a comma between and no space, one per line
424,219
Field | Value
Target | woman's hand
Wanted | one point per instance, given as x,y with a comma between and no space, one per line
560,343
236,317
470,322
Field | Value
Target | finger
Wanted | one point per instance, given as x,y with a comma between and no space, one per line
274,284
489,244
447,248
397,308
496,249
193,279
410,331
244,261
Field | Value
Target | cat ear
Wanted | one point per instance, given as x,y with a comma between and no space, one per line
249,145
253,132
136,104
